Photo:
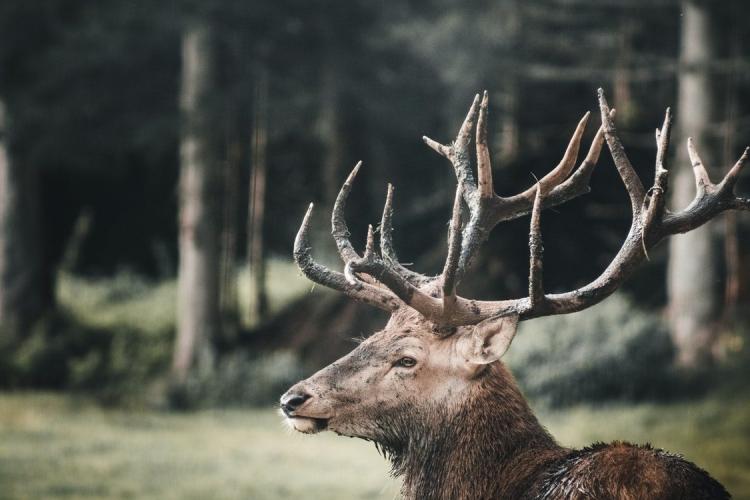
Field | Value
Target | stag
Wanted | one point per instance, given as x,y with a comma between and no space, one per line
430,390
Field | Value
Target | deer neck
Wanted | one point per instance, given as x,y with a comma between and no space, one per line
492,446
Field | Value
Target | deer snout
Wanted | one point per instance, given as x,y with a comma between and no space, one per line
293,399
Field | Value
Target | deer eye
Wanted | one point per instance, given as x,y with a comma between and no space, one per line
406,362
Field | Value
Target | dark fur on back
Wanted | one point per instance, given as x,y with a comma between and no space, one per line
622,470
493,447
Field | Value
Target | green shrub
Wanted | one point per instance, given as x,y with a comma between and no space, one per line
115,364
241,379
612,351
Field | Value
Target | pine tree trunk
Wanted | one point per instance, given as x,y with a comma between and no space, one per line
732,255
692,271
256,218
228,302
200,209
22,281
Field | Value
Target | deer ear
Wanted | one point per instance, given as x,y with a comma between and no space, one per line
488,340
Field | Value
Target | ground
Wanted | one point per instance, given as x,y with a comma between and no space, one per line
55,446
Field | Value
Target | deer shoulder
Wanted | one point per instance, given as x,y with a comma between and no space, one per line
627,471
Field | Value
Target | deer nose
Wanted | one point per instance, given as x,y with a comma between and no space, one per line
292,400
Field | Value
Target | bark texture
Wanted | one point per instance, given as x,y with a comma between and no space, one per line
200,208
692,272
22,296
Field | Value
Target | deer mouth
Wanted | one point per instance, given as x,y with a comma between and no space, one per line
307,425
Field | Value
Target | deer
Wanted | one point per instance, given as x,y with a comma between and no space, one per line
430,388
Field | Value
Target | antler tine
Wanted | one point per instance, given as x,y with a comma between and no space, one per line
730,180
451,262
536,285
320,274
440,149
368,256
370,245
702,181
464,133
567,163
458,154
581,176
387,251
458,151
655,200
339,229
484,165
710,201
633,184
662,142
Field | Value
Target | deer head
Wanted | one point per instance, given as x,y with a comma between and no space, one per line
440,351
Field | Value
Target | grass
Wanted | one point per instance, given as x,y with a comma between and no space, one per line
55,447
59,447
128,300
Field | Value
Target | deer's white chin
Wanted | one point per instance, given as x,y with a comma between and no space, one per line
307,425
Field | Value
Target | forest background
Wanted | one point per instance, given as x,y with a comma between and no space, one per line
156,159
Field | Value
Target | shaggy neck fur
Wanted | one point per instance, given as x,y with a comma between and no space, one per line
449,452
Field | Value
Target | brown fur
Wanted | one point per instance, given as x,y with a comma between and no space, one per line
496,448
455,429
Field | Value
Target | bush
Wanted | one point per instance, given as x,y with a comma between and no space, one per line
241,379
114,364
113,337
612,351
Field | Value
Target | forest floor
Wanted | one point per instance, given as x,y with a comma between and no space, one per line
55,446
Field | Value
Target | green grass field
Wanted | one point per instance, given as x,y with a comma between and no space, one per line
54,446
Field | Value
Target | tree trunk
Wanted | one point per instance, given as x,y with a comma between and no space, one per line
622,74
692,271
255,250
200,209
22,283
228,296
508,138
733,272
331,132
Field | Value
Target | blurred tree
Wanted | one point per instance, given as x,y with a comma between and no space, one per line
90,88
228,298
693,273
200,209
21,282
734,278
256,211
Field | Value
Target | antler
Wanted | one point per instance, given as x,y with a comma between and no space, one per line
651,221
363,292
487,209
382,281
